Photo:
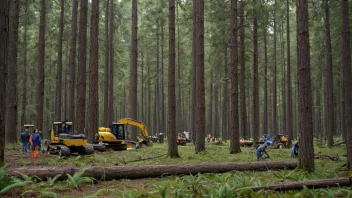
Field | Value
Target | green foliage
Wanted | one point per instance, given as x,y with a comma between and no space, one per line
78,179
7,183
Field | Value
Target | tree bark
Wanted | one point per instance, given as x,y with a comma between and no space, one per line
161,92
311,184
132,172
289,117
40,71
58,100
180,125
106,67
243,73
265,115
255,115
306,157
225,102
93,102
210,110
329,78
133,74
112,65
4,42
72,64
11,93
25,45
194,71
81,77
347,79
234,135
200,122
274,120
172,146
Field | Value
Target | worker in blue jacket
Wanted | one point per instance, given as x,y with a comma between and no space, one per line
36,142
25,140
261,149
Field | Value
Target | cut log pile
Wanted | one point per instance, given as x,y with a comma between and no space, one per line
132,172
322,183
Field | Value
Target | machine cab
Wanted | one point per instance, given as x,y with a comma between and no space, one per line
118,130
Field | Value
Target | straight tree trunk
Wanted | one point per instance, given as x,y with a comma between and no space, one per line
4,42
162,103
11,93
58,100
25,44
149,109
306,157
40,69
210,111
329,79
179,113
225,102
200,122
347,79
81,77
215,131
265,114
274,75
289,117
72,59
243,73
194,72
133,75
172,146
255,77
234,137
157,98
93,102
142,88
283,86
111,67
106,67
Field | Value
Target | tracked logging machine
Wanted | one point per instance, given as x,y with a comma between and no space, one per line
116,136
63,142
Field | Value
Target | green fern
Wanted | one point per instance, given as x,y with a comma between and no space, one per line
78,179
48,194
224,191
162,191
13,185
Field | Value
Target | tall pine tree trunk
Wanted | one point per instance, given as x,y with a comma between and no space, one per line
200,114
274,120
234,137
172,152
72,64
347,79
265,114
329,79
25,45
81,77
111,66
243,74
255,77
162,103
179,114
106,67
194,71
93,101
11,93
58,100
210,110
225,102
289,117
4,41
306,157
40,70
133,74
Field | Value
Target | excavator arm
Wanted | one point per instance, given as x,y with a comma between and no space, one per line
136,123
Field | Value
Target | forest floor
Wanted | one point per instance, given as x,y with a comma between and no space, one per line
201,185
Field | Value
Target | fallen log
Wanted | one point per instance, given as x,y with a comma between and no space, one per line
339,143
321,183
324,156
132,172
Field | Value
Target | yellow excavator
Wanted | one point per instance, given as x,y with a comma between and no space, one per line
117,137
63,142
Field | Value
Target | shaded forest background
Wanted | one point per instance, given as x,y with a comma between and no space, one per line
114,37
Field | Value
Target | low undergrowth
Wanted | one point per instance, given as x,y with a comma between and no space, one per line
231,184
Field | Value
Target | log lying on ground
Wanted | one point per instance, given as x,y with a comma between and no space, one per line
324,156
321,183
131,172
339,143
